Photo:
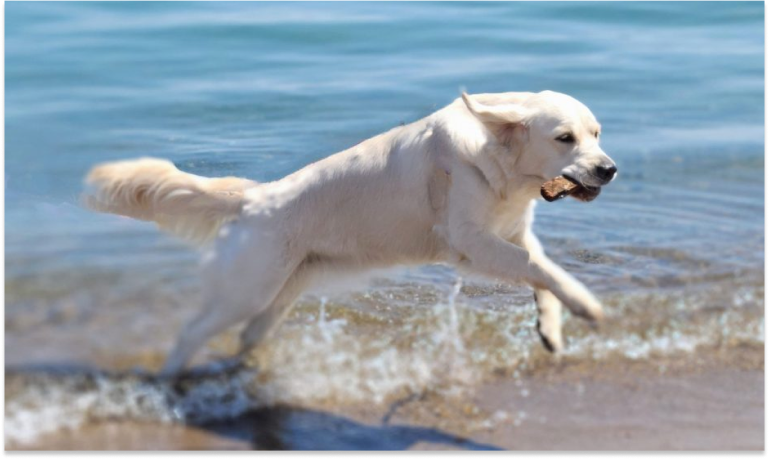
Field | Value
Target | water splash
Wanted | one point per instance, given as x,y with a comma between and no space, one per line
347,356
330,364
333,364
39,402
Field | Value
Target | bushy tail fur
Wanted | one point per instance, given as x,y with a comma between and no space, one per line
186,205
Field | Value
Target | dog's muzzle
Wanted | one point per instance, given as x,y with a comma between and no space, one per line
590,187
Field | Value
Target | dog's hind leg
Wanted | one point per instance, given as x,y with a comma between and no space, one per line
260,326
204,326
264,323
234,289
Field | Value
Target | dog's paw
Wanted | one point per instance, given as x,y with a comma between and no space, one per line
549,320
552,337
589,309
583,304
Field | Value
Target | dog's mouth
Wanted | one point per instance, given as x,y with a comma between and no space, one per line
584,192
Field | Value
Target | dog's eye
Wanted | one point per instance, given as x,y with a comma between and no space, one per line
597,134
566,138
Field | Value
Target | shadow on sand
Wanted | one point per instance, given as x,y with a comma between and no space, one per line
290,428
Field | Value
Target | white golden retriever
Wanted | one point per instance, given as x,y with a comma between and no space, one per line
456,187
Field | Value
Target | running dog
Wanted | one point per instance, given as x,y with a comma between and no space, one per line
457,187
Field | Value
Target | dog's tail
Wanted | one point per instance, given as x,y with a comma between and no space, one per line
186,205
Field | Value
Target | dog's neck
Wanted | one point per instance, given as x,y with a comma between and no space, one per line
459,135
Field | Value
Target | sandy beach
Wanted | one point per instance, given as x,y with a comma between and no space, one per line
712,400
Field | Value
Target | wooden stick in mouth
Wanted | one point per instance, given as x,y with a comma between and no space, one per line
558,188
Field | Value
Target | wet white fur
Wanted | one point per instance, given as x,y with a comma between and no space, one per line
455,187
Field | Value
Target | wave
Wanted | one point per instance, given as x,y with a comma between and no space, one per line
329,354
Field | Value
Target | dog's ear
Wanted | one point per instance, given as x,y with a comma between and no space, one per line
501,120
495,114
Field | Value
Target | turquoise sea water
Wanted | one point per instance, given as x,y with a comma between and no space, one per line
674,246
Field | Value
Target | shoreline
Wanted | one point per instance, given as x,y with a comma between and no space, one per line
712,399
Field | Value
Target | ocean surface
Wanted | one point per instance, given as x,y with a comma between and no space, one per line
674,247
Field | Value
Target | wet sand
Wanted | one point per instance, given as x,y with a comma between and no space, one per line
710,409
709,400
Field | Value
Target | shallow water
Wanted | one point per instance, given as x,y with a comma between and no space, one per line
674,247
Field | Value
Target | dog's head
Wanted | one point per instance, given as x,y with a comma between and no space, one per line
549,134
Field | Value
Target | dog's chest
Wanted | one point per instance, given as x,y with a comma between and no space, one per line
511,217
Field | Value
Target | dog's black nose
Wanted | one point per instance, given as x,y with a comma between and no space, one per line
606,172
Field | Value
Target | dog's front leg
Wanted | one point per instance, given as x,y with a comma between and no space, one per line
491,255
549,323
569,290
471,205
